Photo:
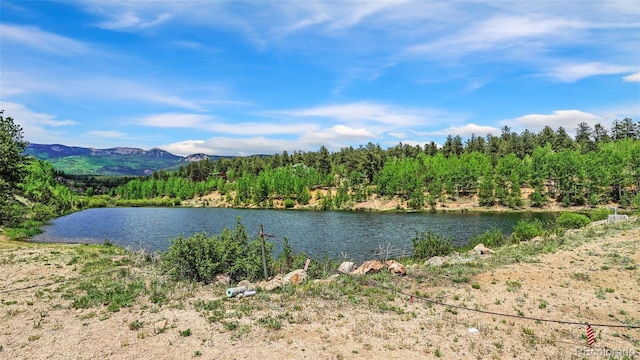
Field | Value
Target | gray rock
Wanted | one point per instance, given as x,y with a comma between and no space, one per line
437,261
480,249
346,267
247,284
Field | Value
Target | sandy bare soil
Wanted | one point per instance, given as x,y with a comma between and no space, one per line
597,282
379,203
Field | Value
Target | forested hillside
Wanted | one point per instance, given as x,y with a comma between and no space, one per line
599,166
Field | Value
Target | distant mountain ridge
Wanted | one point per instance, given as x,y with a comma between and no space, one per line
113,161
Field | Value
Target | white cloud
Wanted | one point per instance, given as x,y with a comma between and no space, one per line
42,40
232,146
333,138
69,84
111,134
568,119
211,124
336,136
467,130
37,127
174,120
496,33
632,78
363,112
575,72
130,20
397,135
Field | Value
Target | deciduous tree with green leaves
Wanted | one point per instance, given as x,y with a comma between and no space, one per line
12,169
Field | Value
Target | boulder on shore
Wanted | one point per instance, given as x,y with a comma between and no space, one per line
295,277
437,261
346,267
274,283
371,266
396,268
480,249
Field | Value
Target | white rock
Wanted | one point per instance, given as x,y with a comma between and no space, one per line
346,267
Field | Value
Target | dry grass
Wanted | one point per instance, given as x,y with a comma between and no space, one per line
591,276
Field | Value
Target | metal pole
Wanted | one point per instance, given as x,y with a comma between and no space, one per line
264,255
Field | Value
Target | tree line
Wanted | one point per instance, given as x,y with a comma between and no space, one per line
597,166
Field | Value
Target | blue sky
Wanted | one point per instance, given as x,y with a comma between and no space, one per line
248,77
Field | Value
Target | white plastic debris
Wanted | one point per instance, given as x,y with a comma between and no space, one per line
473,330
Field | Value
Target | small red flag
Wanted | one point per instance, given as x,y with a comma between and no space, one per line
590,336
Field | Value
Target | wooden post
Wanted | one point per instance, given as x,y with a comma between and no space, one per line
264,255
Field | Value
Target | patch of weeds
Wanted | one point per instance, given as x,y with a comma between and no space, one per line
437,352
600,294
475,286
115,293
213,310
610,290
529,336
231,325
185,333
520,312
197,353
269,322
158,291
33,337
241,331
543,304
513,286
136,325
580,276
451,310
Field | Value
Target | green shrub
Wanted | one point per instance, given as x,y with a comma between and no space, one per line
97,203
527,230
200,258
570,220
490,238
289,203
598,214
538,199
426,245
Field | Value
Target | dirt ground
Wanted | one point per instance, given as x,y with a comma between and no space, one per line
597,282
380,203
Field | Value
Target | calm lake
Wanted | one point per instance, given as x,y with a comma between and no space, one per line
358,235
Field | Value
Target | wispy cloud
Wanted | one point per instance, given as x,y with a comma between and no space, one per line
130,20
632,78
41,40
111,134
496,33
575,72
175,120
363,112
37,127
